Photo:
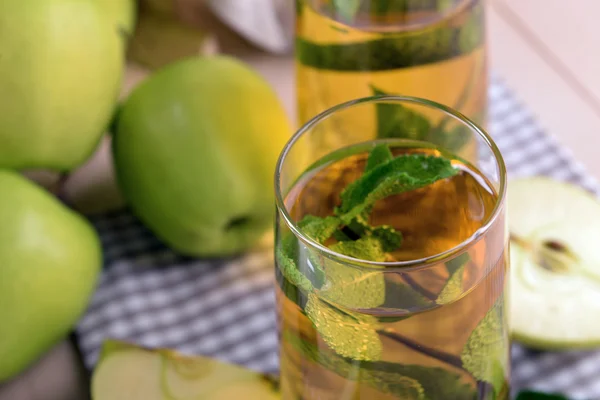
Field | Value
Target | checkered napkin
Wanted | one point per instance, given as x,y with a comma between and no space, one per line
225,308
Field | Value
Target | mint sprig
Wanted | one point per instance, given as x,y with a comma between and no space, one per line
402,174
385,175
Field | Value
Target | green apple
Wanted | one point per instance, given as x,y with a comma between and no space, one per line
127,372
61,64
50,258
195,151
555,264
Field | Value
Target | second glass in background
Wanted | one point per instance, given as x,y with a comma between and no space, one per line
433,49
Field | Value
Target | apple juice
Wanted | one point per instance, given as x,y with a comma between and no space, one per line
434,49
434,331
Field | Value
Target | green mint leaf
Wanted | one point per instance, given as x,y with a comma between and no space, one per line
398,121
484,354
389,238
380,154
533,395
397,51
353,288
319,229
346,9
350,336
404,173
367,248
290,271
342,236
401,296
397,379
359,226
457,262
453,287
453,140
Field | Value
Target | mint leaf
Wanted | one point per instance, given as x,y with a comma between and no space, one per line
346,9
367,248
397,121
353,288
457,262
453,140
400,295
389,237
317,228
484,354
380,154
394,378
404,173
351,336
290,271
533,395
453,287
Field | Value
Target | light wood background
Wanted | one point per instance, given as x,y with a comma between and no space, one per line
546,50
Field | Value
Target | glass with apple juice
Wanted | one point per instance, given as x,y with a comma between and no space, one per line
347,49
391,259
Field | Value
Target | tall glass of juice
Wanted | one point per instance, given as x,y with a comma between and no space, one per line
391,258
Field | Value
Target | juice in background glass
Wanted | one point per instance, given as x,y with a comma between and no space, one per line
434,49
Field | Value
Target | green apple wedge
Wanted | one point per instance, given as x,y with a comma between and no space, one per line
195,150
555,264
129,372
50,258
61,64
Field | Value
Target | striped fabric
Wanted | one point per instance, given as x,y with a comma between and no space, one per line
225,309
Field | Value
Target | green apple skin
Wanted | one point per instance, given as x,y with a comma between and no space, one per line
50,258
195,153
123,12
61,66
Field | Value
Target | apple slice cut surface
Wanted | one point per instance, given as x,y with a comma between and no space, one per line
555,264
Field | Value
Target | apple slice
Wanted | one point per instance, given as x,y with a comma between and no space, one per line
127,372
555,264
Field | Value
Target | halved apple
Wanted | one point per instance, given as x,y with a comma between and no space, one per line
128,372
555,264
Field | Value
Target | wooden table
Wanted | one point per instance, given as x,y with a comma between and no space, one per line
549,58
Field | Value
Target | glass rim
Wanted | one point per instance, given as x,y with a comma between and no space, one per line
393,266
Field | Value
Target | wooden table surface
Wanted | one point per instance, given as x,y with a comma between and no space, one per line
547,52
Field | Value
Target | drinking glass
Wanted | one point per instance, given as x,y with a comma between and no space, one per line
429,322
434,49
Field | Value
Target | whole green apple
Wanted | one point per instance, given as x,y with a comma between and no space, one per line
195,151
50,258
61,64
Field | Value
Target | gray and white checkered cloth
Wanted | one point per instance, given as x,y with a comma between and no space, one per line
225,308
